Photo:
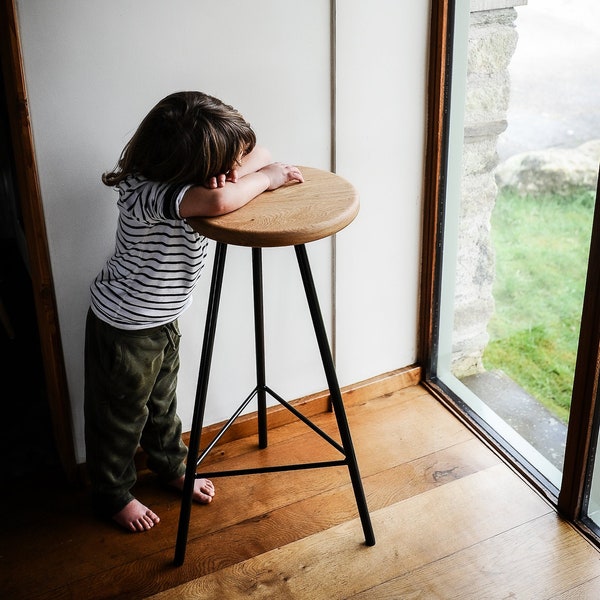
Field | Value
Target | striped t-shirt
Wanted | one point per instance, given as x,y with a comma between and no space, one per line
158,257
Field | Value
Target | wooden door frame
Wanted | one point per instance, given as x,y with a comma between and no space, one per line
34,225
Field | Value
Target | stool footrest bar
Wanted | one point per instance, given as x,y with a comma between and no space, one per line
286,405
305,420
227,425
275,469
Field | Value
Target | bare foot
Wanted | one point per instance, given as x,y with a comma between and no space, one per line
136,517
204,490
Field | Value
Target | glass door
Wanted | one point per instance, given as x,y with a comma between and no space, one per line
523,148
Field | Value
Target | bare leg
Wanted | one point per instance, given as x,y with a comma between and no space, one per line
204,490
136,517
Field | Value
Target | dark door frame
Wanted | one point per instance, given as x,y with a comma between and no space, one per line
34,226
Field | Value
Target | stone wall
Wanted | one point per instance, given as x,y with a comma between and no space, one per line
562,171
492,42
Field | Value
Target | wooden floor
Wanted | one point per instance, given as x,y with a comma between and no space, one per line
451,521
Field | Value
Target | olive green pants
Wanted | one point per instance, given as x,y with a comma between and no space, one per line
130,401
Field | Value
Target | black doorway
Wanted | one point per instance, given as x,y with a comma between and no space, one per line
26,439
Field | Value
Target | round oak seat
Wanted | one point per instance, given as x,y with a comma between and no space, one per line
294,214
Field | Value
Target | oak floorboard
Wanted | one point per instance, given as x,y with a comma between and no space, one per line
242,529
538,559
589,590
434,491
411,533
421,450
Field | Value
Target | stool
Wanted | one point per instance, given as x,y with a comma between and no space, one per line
289,216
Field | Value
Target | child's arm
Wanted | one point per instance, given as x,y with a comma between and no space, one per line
257,159
200,201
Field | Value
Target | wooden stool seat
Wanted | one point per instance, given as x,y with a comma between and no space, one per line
288,216
296,213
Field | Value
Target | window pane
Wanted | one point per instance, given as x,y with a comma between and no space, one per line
522,167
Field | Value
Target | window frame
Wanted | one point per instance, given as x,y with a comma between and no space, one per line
584,422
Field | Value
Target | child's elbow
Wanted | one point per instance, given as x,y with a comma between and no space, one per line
202,202
220,203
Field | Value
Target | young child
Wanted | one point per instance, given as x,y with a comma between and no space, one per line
192,155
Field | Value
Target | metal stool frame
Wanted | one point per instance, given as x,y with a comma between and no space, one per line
195,457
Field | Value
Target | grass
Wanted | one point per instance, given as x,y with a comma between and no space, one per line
541,246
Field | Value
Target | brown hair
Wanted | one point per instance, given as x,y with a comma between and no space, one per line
187,137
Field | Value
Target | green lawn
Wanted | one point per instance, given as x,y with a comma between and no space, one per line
541,247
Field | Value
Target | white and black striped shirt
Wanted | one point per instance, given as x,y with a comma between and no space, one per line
157,261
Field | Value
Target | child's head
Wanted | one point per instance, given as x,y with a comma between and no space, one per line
187,137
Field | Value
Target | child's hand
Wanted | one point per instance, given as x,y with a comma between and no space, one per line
279,174
219,181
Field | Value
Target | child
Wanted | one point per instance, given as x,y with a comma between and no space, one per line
192,155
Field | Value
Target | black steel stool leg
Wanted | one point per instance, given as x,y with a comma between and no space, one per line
200,402
336,396
259,340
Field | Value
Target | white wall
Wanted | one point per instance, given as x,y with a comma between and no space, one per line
381,75
94,69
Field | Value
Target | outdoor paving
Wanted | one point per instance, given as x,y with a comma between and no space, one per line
522,412
555,79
